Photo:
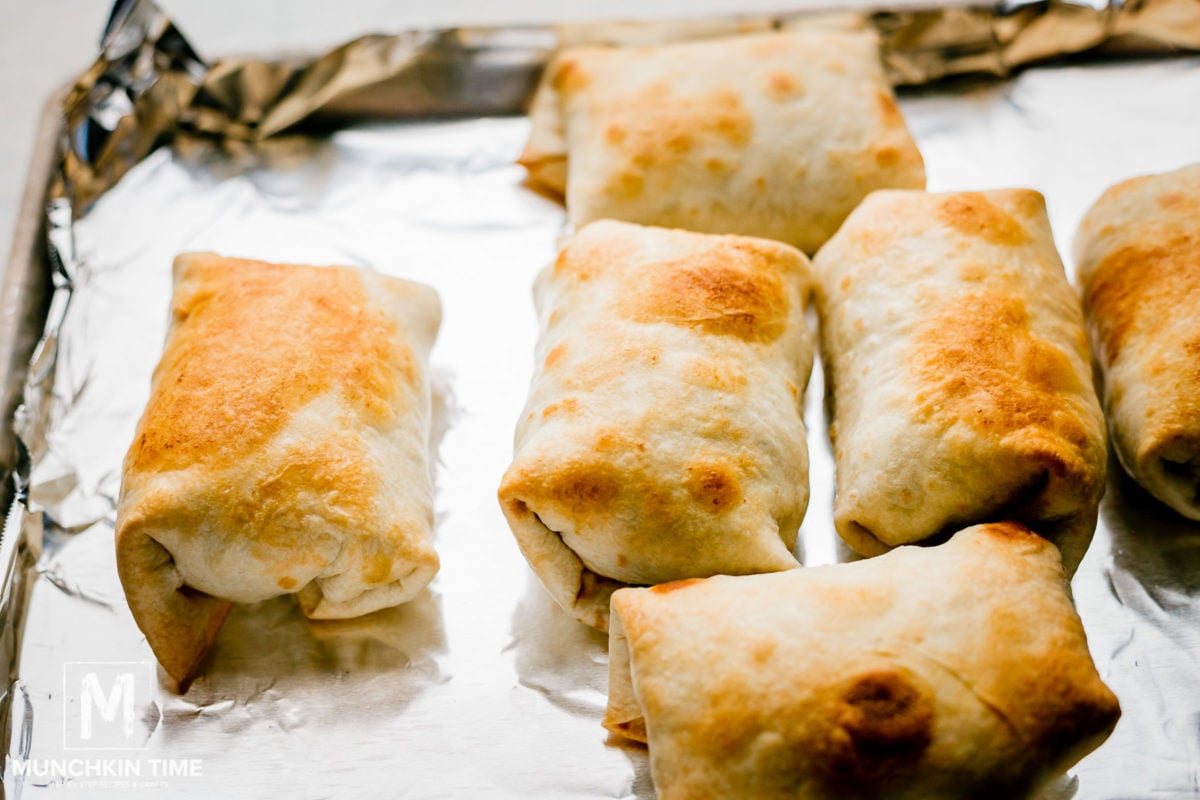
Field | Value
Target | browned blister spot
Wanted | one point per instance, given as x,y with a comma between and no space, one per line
782,85
705,291
563,262
1143,286
981,365
883,722
556,354
762,650
714,486
609,440
887,156
973,214
253,344
287,583
628,184
584,487
679,143
568,405
887,715
569,76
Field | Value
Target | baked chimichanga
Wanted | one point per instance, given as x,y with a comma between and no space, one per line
958,363
1138,259
956,671
663,436
776,134
284,449
545,153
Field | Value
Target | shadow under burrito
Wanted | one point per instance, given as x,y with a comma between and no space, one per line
560,658
1155,569
566,662
270,651
1145,629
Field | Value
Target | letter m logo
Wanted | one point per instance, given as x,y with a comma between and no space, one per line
121,694
109,705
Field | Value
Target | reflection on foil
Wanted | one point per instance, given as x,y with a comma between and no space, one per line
1154,667
565,661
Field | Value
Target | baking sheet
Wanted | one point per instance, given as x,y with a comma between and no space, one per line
482,687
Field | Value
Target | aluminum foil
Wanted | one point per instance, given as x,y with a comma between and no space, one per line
148,83
481,687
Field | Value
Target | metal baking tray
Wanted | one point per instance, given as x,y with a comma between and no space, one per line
397,152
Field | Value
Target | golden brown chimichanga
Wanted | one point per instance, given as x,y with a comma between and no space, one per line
955,671
663,437
1137,253
777,134
961,387
284,449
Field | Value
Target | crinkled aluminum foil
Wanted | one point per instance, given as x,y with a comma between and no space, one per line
481,687
148,83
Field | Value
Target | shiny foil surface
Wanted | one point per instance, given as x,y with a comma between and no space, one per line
481,687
